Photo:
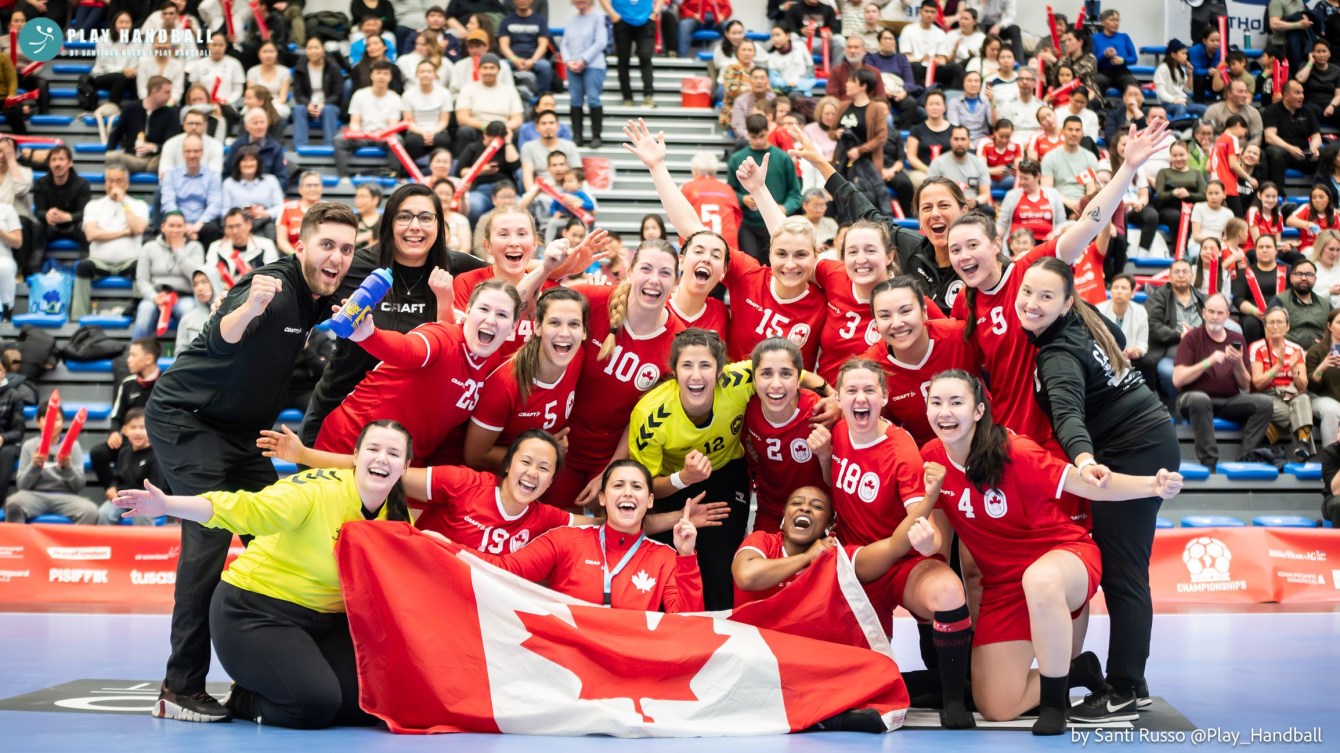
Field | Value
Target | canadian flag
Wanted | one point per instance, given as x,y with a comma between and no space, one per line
448,643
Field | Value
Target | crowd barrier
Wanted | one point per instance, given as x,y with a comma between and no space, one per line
135,567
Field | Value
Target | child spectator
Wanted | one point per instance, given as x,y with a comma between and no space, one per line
1226,163
1209,218
193,322
1001,154
133,393
48,486
135,464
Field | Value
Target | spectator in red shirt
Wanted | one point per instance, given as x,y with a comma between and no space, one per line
1001,154
1226,162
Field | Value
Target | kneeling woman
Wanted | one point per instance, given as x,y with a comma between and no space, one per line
1039,568
278,618
635,572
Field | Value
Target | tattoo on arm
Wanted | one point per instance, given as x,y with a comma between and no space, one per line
1095,215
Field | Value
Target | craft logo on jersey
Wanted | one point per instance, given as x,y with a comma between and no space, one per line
800,451
868,489
1207,560
519,539
996,505
647,376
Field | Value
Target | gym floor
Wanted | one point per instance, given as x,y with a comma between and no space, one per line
1265,669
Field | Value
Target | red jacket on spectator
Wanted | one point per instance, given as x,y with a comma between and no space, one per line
697,9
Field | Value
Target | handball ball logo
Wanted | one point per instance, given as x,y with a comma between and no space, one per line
40,40
1207,560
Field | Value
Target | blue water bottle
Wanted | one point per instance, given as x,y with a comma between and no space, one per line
360,304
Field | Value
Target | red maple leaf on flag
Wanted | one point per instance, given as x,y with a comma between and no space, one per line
643,664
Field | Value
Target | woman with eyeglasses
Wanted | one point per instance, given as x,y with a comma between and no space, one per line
412,243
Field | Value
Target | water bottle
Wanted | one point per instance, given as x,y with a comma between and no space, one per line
360,304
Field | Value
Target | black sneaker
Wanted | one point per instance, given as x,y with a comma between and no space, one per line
1142,699
195,707
856,720
241,704
1107,705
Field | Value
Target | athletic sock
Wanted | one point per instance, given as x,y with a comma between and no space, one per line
953,645
1055,699
1086,671
927,635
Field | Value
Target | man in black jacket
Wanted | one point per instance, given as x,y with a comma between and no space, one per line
58,200
330,88
132,393
1174,309
11,423
207,410
137,139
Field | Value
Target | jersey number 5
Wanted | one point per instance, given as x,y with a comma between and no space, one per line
710,214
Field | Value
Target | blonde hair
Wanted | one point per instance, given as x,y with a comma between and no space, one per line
797,226
1319,244
1235,228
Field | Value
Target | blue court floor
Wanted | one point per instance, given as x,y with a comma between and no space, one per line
1264,670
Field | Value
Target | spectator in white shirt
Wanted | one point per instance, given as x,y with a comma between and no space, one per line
257,194
164,62
113,225
923,42
484,101
1127,315
966,40
218,66
469,68
535,153
428,110
1022,111
790,65
192,124
278,79
239,250
372,109
11,238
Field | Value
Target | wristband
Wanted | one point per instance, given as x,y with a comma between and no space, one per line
1205,364
1085,464
677,482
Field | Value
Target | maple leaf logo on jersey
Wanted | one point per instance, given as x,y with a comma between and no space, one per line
868,489
643,582
663,676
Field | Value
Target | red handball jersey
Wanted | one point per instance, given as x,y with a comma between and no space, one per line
1008,357
608,389
717,206
995,157
873,484
849,329
908,382
463,286
1089,280
1262,223
1286,358
1007,528
548,406
713,317
757,313
654,579
427,380
1043,144
1225,147
1305,236
465,506
769,545
780,459
1035,214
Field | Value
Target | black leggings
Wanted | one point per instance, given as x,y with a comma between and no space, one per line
1124,532
299,663
624,37
717,544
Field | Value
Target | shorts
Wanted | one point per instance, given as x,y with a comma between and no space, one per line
886,592
1003,614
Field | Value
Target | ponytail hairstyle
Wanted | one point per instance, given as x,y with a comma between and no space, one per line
775,344
521,439
885,241
859,364
619,298
526,362
901,282
495,283
989,452
696,336
1093,321
988,227
396,507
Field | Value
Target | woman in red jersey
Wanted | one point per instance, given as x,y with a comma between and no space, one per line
992,283
1039,568
635,572
490,513
912,349
536,387
774,301
446,361
880,489
705,256
628,345
779,433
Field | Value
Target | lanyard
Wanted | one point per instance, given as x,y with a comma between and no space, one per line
604,563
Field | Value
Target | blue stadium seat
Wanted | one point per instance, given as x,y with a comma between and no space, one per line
51,321
1304,471
107,321
909,223
1223,424
1141,70
1194,471
359,180
1140,296
62,244
144,179
1211,521
1163,523
330,181
706,35
89,367
71,69
1297,174
96,411
1284,521
1290,233
316,151
1252,54
555,31
2,515
997,194
1249,471
284,468
757,36
820,84
90,148
705,55
59,520
368,151
114,282
1150,263
1157,50
290,416
158,521
50,120
165,363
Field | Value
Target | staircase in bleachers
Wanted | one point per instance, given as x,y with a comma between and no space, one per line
1244,495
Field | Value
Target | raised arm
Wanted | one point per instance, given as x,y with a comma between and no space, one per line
651,151
753,176
754,572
